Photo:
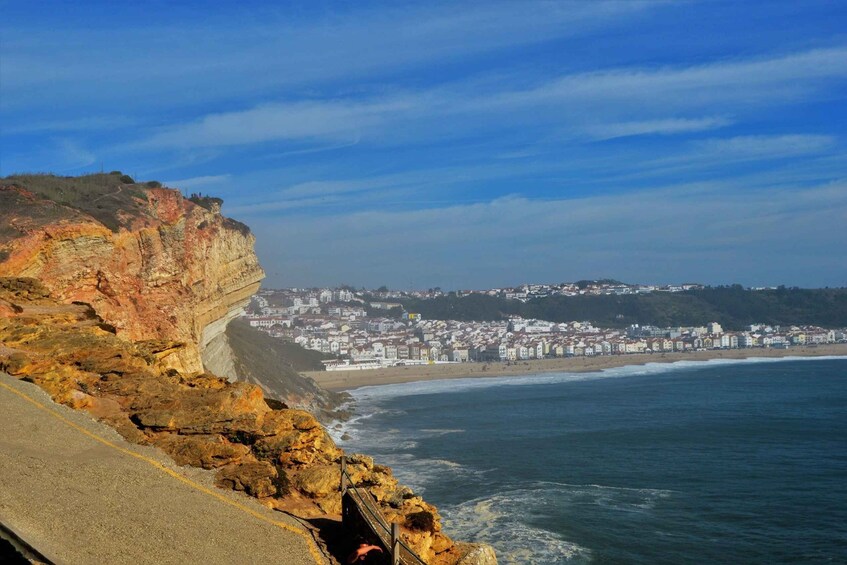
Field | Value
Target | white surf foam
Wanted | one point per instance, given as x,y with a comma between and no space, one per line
395,448
621,499
501,521
440,432
506,520
342,431
419,473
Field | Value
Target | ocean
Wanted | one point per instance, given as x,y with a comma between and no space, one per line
707,462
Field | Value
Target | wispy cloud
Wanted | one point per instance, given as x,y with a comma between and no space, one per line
199,182
74,156
765,146
750,81
61,155
712,231
267,47
285,121
323,188
788,158
575,103
522,135
410,188
91,123
666,126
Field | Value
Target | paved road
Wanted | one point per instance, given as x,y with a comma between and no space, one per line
79,493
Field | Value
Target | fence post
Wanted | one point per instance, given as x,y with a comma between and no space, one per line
343,486
395,544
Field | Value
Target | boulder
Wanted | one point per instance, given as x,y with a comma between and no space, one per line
256,478
207,451
476,554
318,481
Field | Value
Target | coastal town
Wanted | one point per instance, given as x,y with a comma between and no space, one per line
527,292
354,331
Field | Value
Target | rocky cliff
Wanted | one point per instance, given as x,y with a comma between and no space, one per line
150,262
282,456
111,291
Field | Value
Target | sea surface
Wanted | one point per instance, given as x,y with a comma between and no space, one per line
692,462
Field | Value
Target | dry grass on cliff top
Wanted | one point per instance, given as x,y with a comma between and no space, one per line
101,196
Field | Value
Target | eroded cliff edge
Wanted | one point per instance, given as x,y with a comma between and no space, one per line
150,262
109,309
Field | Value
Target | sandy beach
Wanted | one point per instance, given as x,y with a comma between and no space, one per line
345,380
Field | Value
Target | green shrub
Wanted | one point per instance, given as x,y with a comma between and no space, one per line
126,179
206,201
153,184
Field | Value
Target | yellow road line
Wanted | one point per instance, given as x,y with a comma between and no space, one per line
310,543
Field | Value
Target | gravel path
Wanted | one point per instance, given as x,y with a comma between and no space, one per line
79,493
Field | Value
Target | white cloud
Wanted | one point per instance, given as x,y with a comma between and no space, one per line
95,123
604,104
291,121
265,48
198,182
712,232
718,154
666,126
766,146
73,157
429,187
334,187
747,81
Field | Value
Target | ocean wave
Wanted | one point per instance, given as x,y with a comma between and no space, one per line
622,499
344,430
395,448
440,432
369,395
507,520
500,521
418,473
350,432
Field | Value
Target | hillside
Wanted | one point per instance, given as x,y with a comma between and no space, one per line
275,366
733,306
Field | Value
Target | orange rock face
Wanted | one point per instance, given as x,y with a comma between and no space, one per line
284,457
174,270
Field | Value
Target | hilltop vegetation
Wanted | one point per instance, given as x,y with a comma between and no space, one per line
104,196
112,199
732,306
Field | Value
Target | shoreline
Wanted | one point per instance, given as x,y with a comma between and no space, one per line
349,380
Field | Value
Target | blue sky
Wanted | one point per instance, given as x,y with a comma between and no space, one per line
460,144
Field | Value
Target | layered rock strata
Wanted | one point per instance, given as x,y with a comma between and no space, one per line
168,269
282,456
